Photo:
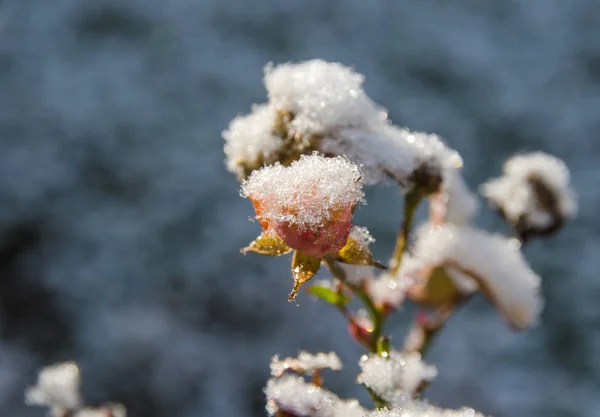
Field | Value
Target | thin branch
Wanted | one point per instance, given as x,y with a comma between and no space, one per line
359,292
411,202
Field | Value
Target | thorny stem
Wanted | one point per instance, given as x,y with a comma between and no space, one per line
359,292
411,202
377,344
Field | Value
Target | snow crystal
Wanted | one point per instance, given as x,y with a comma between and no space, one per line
379,154
395,377
389,151
495,261
429,148
348,408
306,363
307,192
250,141
361,236
515,193
57,386
329,111
322,96
414,408
293,394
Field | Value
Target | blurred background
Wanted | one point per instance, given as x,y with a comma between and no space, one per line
120,228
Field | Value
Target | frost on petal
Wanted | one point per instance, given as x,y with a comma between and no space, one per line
396,377
292,394
306,363
493,260
322,96
534,194
308,204
414,408
57,387
250,142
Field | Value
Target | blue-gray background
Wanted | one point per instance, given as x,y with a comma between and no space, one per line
120,228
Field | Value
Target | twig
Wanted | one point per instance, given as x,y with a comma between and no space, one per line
411,202
359,292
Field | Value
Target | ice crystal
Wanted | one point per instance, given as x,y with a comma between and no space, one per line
389,151
306,193
396,376
292,394
322,96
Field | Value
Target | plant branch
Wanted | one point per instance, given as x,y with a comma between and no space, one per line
411,202
377,344
375,314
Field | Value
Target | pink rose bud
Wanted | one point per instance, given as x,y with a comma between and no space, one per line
309,204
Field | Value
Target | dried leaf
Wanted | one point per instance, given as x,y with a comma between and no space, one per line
438,289
303,269
356,254
329,296
268,244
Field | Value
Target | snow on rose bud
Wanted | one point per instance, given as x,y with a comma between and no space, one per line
307,207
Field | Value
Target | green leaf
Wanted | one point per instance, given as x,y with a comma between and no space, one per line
356,254
268,244
304,268
329,296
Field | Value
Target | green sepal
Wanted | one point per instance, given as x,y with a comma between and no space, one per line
354,253
268,244
304,268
